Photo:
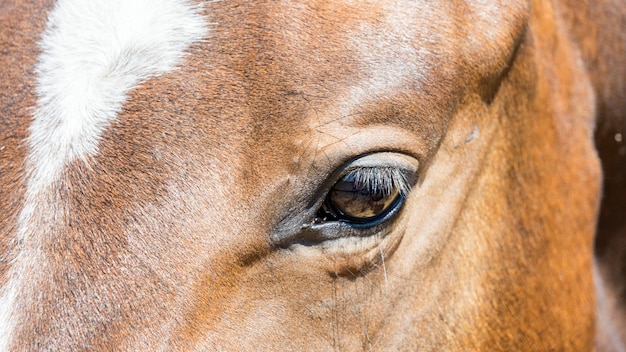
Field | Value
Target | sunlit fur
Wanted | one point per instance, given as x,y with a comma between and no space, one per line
162,163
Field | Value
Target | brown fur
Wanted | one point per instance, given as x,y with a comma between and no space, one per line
166,236
18,39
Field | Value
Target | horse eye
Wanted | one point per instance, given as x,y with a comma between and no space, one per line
364,196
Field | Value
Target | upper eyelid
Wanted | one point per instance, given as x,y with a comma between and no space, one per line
385,178
408,164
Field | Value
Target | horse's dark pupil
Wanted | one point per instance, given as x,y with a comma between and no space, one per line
350,201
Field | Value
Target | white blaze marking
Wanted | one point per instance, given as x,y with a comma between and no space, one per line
93,53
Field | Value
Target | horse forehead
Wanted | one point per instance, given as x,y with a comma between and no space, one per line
382,29
309,45
270,67
94,53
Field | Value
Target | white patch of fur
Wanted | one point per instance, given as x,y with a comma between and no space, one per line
93,53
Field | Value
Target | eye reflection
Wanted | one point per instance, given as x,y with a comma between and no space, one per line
359,201
365,195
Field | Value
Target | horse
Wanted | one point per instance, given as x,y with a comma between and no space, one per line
313,175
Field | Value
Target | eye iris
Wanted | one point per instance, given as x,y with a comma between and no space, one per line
353,199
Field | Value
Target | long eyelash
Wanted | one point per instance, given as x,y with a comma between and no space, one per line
380,180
